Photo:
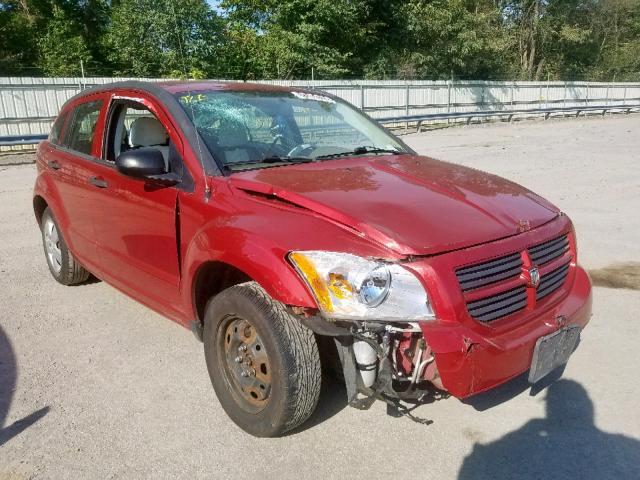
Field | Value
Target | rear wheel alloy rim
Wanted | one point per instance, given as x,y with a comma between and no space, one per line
52,245
246,365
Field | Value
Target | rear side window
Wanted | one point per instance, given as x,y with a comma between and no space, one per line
56,130
82,129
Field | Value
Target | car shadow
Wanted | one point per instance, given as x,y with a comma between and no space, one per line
8,375
511,389
565,444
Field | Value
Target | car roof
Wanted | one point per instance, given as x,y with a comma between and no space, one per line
181,86
201,85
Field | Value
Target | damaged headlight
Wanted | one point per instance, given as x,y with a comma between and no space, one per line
350,287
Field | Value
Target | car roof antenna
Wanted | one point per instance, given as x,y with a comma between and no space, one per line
207,188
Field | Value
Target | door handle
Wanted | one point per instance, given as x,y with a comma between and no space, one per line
98,182
53,164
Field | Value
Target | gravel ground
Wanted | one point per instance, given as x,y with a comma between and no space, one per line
94,385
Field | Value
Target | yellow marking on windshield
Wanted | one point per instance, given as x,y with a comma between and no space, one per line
187,99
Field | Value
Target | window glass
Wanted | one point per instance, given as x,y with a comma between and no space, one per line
134,127
54,136
83,126
260,129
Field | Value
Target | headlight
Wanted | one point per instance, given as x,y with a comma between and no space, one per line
350,287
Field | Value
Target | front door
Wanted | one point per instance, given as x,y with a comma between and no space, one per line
136,222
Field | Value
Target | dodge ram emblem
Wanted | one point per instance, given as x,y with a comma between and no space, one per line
534,277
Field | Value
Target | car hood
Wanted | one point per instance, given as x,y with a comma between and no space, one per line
412,205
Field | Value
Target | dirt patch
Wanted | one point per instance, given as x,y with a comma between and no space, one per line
620,275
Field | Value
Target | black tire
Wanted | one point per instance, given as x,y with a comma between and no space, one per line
292,355
65,269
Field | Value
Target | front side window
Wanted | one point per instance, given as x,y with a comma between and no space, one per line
83,127
259,129
135,127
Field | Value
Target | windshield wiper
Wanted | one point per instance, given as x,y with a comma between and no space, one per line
278,158
362,151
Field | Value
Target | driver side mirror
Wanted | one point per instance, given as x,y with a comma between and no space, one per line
145,164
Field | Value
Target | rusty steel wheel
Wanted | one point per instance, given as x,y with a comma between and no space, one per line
246,363
263,362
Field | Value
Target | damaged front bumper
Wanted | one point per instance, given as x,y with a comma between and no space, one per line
470,360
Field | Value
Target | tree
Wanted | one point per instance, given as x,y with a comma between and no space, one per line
62,46
252,39
162,37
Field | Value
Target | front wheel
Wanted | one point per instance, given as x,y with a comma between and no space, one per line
263,363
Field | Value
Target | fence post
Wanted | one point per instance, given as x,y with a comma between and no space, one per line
449,82
511,93
406,108
624,95
587,102
362,97
540,96
564,96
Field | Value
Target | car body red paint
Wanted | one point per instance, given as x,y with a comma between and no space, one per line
431,216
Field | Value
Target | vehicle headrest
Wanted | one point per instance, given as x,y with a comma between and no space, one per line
146,131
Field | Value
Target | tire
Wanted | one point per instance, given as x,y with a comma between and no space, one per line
272,400
63,267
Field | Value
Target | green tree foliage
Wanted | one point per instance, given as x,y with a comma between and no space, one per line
252,39
161,37
62,46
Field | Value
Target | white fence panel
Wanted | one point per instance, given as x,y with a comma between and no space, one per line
29,104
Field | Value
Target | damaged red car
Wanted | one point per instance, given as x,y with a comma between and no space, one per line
282,225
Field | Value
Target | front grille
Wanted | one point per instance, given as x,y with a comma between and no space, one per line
552,281
489,272
550,250
500,305
510,267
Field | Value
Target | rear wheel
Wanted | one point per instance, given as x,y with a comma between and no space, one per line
263,363
63,267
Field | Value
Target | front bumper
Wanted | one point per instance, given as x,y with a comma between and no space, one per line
470,361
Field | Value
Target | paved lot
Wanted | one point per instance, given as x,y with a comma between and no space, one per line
93,385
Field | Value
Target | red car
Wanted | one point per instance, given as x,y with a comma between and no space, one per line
282,223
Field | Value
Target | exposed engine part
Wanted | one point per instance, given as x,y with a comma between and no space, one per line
366,362
412,328
401,360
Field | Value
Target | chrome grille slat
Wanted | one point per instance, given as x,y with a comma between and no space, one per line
552,276
465,277
491,307
543,245
552,281
504,303
504,312
494,298
489,272
547,251
513,300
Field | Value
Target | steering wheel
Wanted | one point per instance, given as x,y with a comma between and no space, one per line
301,150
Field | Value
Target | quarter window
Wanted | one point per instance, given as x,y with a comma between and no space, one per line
83,127
56,130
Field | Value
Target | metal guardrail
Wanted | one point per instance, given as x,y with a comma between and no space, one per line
14,140
469,116
34,139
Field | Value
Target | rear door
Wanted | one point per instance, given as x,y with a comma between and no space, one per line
71,159
136,225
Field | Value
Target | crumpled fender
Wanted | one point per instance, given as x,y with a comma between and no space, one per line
258,258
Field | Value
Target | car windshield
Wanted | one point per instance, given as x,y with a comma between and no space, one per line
247,130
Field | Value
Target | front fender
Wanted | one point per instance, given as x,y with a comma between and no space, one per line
260,259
